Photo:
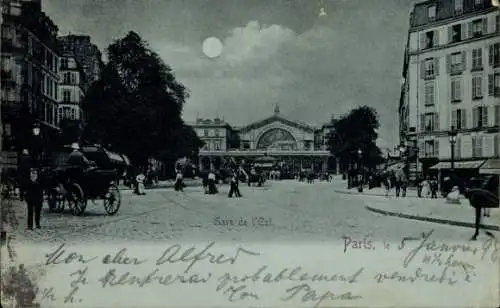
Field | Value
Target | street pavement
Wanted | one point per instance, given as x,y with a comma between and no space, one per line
279,211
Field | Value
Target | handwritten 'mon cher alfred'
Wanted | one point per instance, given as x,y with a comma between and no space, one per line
298,284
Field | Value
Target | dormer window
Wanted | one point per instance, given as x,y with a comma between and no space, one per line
431,12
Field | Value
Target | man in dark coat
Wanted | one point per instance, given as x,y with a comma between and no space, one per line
34,198
25,164
234,189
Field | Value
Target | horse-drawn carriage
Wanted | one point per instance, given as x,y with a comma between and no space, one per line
73,186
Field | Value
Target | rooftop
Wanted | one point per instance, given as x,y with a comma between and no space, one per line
446,10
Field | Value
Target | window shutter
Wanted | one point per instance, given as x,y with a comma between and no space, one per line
436,122
459,89
421,149
464,60
485,116
454,118
448,63
436,66
496,145
422,40
485,25
463,35
458,148
422,122
436,38
475,115
470,27
436,148
479,143
491,84
422,69
450,34
490,54
497,115
464,119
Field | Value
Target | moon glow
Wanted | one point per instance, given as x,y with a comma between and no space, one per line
212,47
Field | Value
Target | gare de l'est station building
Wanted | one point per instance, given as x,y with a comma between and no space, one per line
273,143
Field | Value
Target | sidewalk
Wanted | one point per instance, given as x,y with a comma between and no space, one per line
378,191
433,210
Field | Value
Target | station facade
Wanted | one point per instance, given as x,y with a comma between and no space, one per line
273,143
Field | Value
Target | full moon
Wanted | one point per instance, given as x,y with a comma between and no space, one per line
212,47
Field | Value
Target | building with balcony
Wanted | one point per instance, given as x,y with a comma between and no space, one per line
29,60
451,79
85,53
291,144
71,89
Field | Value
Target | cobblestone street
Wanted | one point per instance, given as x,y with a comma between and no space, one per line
279,211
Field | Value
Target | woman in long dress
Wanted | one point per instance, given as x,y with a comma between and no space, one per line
426,188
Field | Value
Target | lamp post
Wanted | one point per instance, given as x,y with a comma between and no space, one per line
453,139
360,167
35,143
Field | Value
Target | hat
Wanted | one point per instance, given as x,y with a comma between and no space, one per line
75,146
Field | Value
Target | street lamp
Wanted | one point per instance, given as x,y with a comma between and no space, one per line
453,139
36,142
360,167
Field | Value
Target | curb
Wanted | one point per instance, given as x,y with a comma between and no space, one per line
430,219
382,195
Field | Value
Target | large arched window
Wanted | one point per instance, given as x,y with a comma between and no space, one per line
274,136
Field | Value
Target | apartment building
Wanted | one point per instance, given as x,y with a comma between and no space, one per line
85,53
451,80
71,89
29,61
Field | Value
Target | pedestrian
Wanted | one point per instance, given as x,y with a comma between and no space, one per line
234,189
434,188
419,187
212,188
426,187
388,184
25,164
34,198
179,185
140,178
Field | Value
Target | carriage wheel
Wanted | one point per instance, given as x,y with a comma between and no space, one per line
77,199
112,200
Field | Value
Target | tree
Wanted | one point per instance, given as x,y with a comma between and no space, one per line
353,132
137,103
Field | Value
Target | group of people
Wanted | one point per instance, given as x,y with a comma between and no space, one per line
397,180
210,183
428,187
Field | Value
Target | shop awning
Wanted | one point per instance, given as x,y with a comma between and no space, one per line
491,166
474,164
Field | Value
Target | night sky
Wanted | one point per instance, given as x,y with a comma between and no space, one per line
275,51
